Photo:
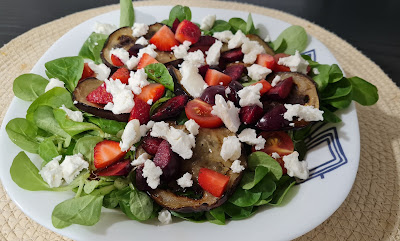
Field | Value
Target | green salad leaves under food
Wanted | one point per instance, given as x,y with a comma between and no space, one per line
48,131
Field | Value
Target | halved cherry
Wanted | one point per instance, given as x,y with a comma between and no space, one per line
200,112
121,168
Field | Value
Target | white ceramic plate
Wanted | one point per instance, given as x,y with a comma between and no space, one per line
333,158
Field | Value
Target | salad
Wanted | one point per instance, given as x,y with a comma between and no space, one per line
201,122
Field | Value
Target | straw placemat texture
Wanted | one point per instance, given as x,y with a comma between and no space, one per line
370,212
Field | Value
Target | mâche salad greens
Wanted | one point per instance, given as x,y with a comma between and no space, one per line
203,122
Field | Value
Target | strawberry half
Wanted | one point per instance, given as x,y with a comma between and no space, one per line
189,31
100,95
140,111
116,61
214,77
87,72
106,153
164,39
146,60
152,91
266,60
122,74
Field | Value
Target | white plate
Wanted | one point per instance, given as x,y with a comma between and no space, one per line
333,157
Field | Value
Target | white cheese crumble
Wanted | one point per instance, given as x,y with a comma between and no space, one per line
295,63
228,113
152,174
251,50
164,216
275,155
223,36
228,91
122,97
145,127
142,41
120,53
303,112
131,135
72,166
160,129
195,58
231,148
52,172
267,38
137,81
104,28
250,95
208,22
213,53
237,40
315,71
258,72
185,180
73,115
236,167
249,136
296,168
139,29
101,70
191,80
133,61
53,82
150,102
141,159
180,51
192,127
276,80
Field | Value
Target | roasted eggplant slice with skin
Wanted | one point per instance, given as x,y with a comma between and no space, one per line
152,30
205,154
177,77
266,47
82,90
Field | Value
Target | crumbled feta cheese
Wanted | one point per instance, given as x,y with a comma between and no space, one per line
73,115
214,53
52,172
120,53
72,166
104,28
295,62
142,41
315,71
228,113
139,29
296,168
195,58
231,148
145,127
164,216
160,129
192,127
267,38
131,135
228,91
237,40
291,124
275,81
191,80
141,159
249,136
236,167
137,81
303,112
101,70
122,97
258,72
275,155
185,180
251,49
180,51
208,22
150,102
223,36
75,102
53,82
152,174
133,61
250,95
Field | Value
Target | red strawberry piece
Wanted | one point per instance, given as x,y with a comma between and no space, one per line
278,67
187,31
87,72
106,153
266,86
203,70
172,108
281,90
164,39
205,41
121,168
249,115
116,61
235,71
145,60
122,74
140,111
232,55
150,144
212,181
100,95
167,160
175,25
214,77
152,91
203,49
266,60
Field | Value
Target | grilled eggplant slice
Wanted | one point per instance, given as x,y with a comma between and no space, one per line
177,77
82,90
266,47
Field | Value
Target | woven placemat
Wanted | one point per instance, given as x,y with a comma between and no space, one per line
370,212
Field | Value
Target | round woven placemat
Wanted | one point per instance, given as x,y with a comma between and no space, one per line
370,212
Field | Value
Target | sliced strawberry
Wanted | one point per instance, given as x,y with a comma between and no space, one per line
122,74
146,60
212,181
152,91
87,72
116,61
121,168
164,39
175,25
187,31
266,60
100,95
106,153
140,111
214,77
266,86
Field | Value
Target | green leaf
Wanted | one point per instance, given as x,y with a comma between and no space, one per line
283,186
244,198
259,158
181,13
322,79
67,69
141,205
159,73
109,126
23,134
250,179
158,103
127,14
110,200
193,217
237,213
335,73
47,150
85,146
329,116
92,47
218,215
250,29
26,175
219,26
363,92
337,89
90,185
72,127
295,38
238,24
44,119
341,102
29,86
266,186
